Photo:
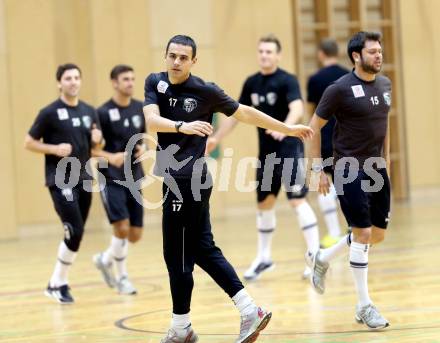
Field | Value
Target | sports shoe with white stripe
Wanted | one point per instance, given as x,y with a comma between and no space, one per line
60,294
252,324
172,337
319,271
370,316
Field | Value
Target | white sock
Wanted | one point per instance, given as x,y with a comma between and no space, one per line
266,223
65,258
337,249
117,252
180,322
309,226
359,267
244,302
329,209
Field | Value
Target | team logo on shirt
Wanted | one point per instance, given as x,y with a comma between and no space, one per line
189,104
387,98
136,121
271,98
87,121
114,114
255,99
62,114
162,87
76,122
358,91
126,123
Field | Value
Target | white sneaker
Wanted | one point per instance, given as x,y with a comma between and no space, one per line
257,268
306,273
172,337
125,286
105,269
370,316
252,324
319,271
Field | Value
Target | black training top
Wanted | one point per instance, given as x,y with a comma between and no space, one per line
315,88
272,95
60,123
361,110
119,124
192,100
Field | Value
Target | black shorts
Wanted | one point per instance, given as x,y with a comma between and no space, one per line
328,169
290,171
71,204
120,204
364,207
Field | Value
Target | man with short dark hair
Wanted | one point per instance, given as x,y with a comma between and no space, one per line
121,118
331,71
68,128
180,107
360,101
276,92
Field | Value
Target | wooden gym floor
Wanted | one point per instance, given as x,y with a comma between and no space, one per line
404,282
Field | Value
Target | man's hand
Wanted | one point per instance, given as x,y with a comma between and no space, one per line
324,183
62,150
301,131
211,144
278,136
199,128
117,159
96,135
140,150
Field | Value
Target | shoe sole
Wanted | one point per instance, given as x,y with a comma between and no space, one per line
272,267
49,295
253,337
379,328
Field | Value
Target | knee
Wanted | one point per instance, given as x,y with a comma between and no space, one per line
377,236
362,235
135,234
73,236
121,229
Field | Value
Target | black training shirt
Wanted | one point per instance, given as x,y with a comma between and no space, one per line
119,124
315,88
60,123
272,95
361,110
192,100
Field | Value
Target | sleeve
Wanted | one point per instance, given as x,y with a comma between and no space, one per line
40,125
221,102
150,91
293,92
103,118
95,118
329,103
245,96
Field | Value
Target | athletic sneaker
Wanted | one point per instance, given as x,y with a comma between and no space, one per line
106,270
370,316
60,294
252,324
257,267
328,241
319,269
125,286
172,337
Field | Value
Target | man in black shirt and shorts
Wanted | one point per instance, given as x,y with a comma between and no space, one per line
316,85
360,101
121,118
274,91
180,107
68,129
